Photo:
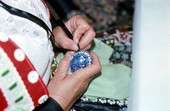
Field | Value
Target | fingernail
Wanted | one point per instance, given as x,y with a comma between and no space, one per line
74,47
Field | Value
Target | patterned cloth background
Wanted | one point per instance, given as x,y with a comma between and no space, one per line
121,42
105,14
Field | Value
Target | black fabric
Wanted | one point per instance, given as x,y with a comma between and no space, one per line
49,105
62,7
95,106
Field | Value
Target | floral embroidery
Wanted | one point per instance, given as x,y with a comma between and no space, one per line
121,42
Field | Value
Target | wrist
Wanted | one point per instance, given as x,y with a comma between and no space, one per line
63,102
49,105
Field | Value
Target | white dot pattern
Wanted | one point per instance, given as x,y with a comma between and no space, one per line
33,77
19,55
42,99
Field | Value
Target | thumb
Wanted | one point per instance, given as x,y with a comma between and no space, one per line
64,65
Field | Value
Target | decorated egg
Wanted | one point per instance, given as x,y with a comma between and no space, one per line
80,60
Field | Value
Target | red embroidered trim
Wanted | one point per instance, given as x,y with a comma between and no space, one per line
37,89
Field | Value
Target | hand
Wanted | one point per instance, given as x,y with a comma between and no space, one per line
66,89
82,32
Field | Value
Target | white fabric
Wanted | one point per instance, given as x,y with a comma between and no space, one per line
30,37
150,88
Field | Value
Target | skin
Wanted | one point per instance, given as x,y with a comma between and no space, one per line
64,88
82,32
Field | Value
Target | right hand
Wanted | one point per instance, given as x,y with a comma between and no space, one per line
83,34
66,89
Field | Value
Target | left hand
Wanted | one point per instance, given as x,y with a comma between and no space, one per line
82,32
66,89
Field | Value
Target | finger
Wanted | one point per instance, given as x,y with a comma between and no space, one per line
87,47
64,65
87,38
77,26
82,31
62,41
89,72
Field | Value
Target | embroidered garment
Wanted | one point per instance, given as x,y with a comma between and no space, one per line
21,30
21,87
121,42
25,57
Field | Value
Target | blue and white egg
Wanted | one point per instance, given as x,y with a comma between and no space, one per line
80,60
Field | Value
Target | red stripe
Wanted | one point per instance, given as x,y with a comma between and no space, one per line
3,103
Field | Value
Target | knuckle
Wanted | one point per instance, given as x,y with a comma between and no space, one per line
85,26
63,61
61,72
